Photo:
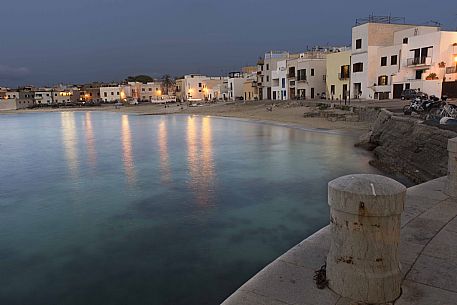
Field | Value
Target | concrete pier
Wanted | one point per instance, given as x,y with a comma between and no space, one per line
427,251
451,184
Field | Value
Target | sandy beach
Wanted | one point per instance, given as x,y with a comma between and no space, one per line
286,112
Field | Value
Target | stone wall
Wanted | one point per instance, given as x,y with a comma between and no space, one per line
403,145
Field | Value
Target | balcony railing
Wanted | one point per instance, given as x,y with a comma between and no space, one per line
451,70
419,61
291,75
302,78
343,76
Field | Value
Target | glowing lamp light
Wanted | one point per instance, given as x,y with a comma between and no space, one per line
455,58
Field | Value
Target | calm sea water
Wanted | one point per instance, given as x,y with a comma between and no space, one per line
104,208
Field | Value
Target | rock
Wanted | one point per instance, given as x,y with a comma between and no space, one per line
408,147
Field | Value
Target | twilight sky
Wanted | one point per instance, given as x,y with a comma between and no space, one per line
45,42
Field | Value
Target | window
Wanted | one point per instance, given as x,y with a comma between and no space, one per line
358,44
383,61
268,67
283,83
383,80
199,85
419,74
344,72
394,60
105,94
268,78
292,72
332,89
324,78
405,40
301,74
312,72
357,67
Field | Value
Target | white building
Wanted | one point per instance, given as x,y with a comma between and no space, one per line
279,89
196,88
423,63
115,93
388,58
235,85
265,67
43,96
10,94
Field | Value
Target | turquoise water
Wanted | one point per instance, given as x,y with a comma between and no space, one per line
104,208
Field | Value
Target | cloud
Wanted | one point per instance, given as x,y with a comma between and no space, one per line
13,73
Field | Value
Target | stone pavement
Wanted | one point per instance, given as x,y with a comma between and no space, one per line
428,254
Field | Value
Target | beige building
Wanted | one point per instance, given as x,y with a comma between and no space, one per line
63,95
338,74
250,89
306,75
146,92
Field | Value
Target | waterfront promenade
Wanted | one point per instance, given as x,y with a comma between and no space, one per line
428,255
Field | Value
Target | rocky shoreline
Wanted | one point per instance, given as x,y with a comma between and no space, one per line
407,146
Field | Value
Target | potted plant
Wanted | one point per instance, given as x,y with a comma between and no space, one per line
431,76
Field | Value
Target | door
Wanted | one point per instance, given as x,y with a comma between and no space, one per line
398,89
450,89
268,93
345,91
312,93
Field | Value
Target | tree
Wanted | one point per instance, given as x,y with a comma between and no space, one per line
140,78
167,82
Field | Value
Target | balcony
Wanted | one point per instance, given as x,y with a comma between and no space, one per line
419,61
302,79
343,76
451,70
291,75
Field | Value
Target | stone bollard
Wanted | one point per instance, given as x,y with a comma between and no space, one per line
363,262
451,183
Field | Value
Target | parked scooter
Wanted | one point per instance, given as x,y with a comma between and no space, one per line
422,106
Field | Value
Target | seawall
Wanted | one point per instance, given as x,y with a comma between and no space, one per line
406,146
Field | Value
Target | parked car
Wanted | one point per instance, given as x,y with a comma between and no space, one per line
410,94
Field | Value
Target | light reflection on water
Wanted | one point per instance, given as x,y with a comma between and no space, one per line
165,170
90,141
70,141
200,160
164,205
127,151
